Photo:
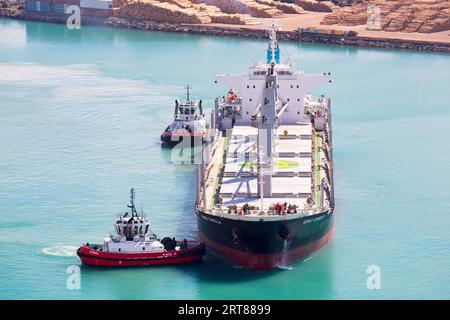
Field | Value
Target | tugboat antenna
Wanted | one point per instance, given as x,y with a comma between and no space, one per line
187,89
132,197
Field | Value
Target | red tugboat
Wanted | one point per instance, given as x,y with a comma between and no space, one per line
132,245
188,125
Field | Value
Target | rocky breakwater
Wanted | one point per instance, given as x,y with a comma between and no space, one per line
197,29
370,42
282,35
423,16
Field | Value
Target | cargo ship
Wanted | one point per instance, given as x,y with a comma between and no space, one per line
265,192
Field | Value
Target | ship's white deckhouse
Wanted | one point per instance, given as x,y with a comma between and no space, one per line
293,86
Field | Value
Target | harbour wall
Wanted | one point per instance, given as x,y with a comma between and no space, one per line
242,32
284,35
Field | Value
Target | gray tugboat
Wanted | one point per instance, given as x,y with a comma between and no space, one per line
188,126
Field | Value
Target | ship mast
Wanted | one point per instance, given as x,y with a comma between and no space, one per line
187,91
267,121
261,183
273,54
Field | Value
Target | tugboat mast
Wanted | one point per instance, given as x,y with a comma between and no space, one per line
131,205
187,89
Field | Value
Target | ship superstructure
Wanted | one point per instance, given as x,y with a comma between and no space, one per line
265,186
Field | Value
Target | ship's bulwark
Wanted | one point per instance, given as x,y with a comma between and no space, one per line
262,245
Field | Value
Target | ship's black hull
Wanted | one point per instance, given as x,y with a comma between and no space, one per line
170,141
264,245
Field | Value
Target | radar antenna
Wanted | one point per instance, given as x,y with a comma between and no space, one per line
187,91
131,205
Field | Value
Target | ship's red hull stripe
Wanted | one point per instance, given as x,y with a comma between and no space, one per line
267,261
94,261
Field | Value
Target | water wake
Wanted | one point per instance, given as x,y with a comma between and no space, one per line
285,261
60,251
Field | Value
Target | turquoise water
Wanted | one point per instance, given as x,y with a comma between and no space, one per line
80,116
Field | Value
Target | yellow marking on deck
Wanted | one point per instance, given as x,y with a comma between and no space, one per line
286,164
279,164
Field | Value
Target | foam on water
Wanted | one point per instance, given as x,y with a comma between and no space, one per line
285,262
61,251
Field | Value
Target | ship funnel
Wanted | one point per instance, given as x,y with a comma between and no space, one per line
273,55
273,51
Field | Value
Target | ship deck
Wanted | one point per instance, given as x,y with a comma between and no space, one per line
291,178
235,180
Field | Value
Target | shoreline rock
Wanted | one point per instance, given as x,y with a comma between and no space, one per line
242,32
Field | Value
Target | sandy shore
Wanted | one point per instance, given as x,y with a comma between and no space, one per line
439,42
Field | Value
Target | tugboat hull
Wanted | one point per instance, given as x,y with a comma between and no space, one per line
90,256
171,140
265,245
